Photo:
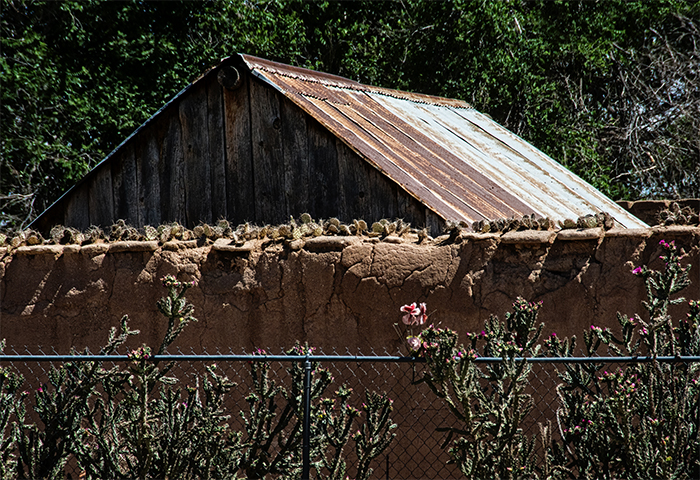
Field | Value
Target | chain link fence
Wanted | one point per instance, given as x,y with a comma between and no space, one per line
417,451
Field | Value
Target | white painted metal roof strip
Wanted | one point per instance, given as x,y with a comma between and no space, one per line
540,181
455,160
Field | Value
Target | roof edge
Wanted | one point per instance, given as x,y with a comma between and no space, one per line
255,64
149,120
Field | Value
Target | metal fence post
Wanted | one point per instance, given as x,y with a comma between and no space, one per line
306,447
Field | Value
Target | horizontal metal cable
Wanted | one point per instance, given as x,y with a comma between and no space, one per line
332,358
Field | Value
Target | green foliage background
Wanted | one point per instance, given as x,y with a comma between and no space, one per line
578,79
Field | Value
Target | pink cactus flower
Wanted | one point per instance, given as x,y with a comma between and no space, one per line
411,312
423,314
414,314
414,343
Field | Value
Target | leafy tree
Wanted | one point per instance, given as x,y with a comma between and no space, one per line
610,89
73,86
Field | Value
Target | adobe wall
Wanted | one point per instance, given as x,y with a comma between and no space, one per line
648,210
332,292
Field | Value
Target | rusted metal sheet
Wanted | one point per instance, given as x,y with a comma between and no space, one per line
315,83
455,160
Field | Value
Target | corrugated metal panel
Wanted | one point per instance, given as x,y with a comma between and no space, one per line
455,160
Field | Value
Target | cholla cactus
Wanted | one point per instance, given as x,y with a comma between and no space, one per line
62,407
638,420
675,215
375,434
11,410
273,424
150,233
144,428
132,421
66,235
488,440
263,428
335,420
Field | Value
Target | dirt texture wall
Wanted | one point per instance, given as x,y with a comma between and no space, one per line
336,293
648,210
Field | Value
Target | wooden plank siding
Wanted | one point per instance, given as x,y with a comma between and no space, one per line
147,160
298,188
172,205
247,154
217,149
77,211
240,201
125,186
324,178
101,203
197,160
268,157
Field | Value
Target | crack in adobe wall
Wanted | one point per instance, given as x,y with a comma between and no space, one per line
346,296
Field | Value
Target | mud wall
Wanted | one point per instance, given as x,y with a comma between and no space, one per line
341,293
648,210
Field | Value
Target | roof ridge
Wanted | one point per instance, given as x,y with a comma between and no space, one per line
330,80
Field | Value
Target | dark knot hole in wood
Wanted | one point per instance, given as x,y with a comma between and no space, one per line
229,78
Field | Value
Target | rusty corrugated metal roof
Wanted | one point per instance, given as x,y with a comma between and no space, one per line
458,162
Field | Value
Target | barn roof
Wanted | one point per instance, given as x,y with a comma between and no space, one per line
456,161
452,158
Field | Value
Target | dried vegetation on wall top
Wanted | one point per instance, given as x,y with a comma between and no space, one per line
305,227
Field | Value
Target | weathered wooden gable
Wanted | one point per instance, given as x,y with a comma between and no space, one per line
245,153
